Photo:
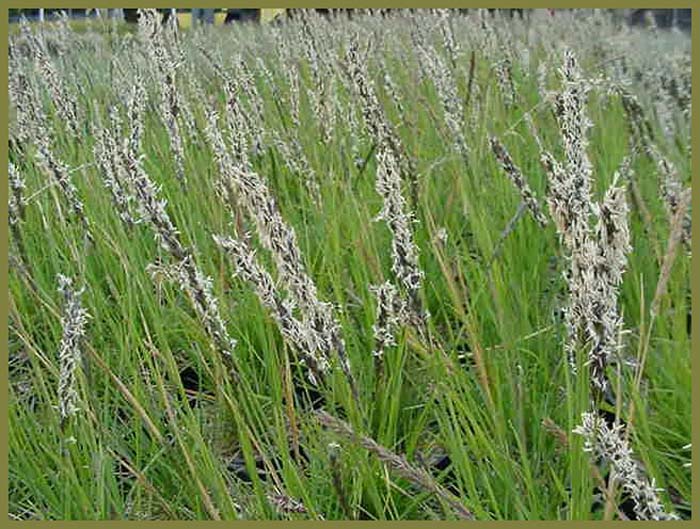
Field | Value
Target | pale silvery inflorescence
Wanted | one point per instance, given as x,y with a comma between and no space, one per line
184,272
393,91
574,125
23,93
321,92
241,185
610,444
239,130
603,321
597,254
35,130
448,37
671,191
395,213
73,321
355,135
373,113
390,314
612,231
15,207
254,111
269,79
136,106
165,71
288,64
63,100
293,330
57,170
15,211
110,159
198,288
389,153
274,233
242,129
294,157
152,208
446,87
569,200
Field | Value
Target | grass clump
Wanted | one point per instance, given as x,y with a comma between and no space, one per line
379,267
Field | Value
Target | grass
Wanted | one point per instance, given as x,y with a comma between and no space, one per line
165,432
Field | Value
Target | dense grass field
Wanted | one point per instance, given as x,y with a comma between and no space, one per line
283,272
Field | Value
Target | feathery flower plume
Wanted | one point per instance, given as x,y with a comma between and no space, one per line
153,209
254,111
16,199
269,79
603,321
390,311
570,202
251,191
393,91
504,76
672,191
610,444
198,288
240,125
404,251
15,210
574,125
388,184
320,93
69,351
241,186
294,157
59,172
516,176
63,100
239,131
446,86
24,96
165,70
293,330
612,230
374,116
136,106
185,272
448,37
110,159
289,66
597,255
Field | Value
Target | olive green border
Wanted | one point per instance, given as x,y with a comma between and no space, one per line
357,4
